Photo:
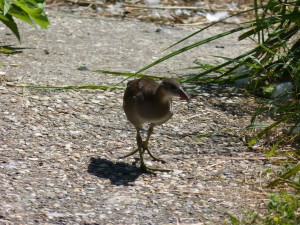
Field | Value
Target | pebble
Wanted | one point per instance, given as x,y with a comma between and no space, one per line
76,155
13,100
55,214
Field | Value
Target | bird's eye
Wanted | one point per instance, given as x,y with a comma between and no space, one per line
173,87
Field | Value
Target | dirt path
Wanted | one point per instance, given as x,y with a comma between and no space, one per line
59,149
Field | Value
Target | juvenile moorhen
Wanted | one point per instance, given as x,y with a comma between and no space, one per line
147,101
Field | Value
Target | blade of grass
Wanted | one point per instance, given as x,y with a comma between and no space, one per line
195,77
294,137
286,175
258,111
128,74
266,130
101,87
272,150
206,67
257,18
189,47
264,47
257,126
217,132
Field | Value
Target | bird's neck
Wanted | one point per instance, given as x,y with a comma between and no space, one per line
162,95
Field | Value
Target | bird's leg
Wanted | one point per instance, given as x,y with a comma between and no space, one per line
141,150
145,144
142,147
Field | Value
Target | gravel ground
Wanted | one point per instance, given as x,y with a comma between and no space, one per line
59,150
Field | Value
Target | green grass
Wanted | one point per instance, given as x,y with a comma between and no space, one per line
282,209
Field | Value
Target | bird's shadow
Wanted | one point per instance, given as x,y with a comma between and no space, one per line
118,173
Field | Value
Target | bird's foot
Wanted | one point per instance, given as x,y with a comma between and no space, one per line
130,153
144,148
147,169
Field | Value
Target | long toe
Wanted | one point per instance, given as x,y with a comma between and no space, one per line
155,157
151,170
130,153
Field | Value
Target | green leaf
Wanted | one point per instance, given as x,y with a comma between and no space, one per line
20,14
10,23
35,10
268,90
4,6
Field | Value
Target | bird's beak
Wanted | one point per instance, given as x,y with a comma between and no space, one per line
183,95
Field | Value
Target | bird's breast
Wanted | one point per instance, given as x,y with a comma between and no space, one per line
157,113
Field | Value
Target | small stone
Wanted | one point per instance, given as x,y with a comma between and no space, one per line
86,205
76,190
176,172
76,155
38,134
55,214
13,100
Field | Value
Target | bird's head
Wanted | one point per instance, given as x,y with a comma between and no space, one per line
172,88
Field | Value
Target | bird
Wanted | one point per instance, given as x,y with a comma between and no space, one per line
148,101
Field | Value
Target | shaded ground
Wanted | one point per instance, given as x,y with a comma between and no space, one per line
59,149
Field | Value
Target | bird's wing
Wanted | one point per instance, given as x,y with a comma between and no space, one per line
140,90
147,87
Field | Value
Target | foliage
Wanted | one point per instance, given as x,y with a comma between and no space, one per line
282,209
29,11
